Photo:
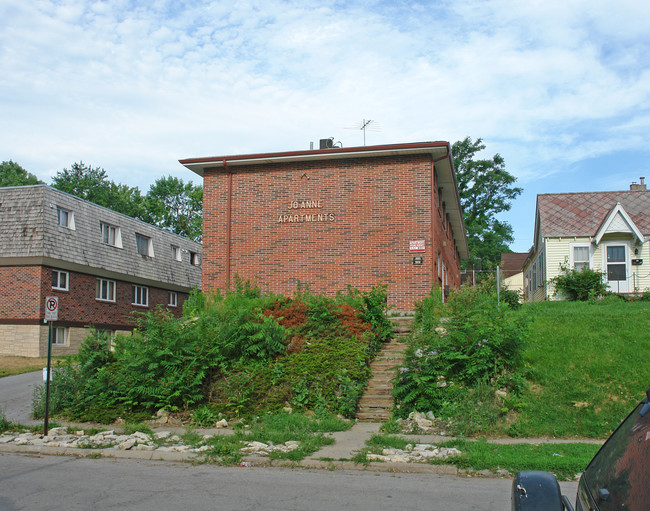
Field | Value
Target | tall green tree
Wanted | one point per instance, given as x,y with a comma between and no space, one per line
486,189
176,205
92,184
12,174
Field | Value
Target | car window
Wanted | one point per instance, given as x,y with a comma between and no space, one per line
619,475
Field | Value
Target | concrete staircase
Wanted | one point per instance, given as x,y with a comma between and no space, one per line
377,402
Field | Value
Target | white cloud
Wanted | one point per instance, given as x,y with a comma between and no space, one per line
135,86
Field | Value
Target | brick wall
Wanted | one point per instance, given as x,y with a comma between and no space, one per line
22,301
79,305
20,295
352,226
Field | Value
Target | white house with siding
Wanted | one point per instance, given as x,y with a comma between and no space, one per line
606,231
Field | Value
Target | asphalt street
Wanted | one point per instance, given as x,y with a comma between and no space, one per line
64,483
16,394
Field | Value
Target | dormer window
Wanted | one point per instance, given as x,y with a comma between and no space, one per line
144,245
64,218
111,235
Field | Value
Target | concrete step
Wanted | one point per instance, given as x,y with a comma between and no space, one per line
385,390
373,416
377,402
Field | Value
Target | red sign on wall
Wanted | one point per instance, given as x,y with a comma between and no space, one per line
416,246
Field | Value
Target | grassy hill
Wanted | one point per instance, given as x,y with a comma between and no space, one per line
553,369
587,365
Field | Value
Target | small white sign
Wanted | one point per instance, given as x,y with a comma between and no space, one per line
416,246
45,374
51,308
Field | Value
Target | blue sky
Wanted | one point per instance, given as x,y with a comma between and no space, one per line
561,89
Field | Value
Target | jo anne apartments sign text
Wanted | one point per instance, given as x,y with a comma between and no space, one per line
305,211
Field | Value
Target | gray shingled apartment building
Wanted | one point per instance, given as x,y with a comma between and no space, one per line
102,266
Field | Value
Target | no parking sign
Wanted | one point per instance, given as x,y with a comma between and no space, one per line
51,308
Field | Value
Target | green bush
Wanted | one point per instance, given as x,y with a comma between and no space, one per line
480,345
227,351
511,297
64,390
429,311
582,285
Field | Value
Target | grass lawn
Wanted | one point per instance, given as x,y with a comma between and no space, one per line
565,460
589,365
19,365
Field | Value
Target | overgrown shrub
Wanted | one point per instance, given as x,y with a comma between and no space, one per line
429,311
64,389
582,285
479,344
511,297
232,352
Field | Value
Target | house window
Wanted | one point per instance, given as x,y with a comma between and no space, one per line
145,247
173,299
534,276
105,290
111,235
60,280
141,296
176,253
540,272
64,218
59,336
580,258
194,259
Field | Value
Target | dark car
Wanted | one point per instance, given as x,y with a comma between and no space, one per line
618,477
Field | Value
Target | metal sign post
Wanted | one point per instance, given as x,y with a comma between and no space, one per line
51,314
498,286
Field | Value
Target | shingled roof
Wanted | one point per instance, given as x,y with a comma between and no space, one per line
582,214
512,263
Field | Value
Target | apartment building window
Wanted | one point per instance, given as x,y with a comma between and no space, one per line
64,218
194,259
105,290
173,299
176,253
59,336
141,296
111,235
60,280
144,245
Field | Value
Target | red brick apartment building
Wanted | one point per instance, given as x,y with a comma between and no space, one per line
334,217
101,265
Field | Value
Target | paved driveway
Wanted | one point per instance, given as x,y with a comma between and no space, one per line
16,396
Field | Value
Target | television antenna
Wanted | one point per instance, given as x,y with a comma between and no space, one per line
365,125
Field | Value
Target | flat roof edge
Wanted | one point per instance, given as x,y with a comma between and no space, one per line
198,164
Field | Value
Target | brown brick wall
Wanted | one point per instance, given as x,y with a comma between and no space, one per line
23,299
356,232
20,296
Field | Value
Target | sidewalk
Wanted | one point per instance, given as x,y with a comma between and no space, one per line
331,457
336,456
